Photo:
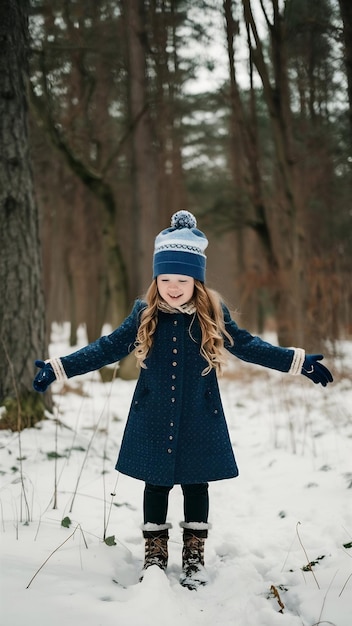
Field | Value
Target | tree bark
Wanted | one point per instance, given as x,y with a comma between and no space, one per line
285,211
22,313
244,145
144,172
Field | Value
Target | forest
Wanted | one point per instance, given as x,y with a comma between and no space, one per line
122,112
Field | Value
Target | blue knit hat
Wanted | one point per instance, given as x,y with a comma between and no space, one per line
180,249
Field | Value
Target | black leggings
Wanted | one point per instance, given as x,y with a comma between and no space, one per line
195,503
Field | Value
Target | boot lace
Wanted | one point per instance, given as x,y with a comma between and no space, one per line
156,552
193,554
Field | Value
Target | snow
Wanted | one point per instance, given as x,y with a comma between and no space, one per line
290,506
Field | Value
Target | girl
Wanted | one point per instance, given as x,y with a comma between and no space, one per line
176,431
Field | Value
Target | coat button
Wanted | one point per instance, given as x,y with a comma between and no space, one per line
171,437
171,424
175,322
174,351
174,339
173,388
173,376
174,363
169,450
173,399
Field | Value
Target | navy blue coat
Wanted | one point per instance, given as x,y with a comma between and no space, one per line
176,430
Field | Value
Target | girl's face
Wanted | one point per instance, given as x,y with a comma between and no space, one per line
175,289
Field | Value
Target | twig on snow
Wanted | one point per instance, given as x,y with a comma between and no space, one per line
56,550
309,567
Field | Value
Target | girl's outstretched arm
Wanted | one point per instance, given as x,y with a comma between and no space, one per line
105,350
253,349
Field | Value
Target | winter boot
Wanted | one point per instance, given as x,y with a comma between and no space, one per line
193,573
156,551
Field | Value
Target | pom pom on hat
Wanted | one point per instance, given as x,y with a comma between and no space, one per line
180,249
183,219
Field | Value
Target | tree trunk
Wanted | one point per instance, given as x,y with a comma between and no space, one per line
21,298
285,218
144,173
96,183
245,156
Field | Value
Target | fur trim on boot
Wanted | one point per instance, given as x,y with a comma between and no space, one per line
150,527
196,526
194,573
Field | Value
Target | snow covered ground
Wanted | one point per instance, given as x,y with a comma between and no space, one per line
290,507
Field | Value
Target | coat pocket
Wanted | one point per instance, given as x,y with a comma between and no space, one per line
213,403
140,398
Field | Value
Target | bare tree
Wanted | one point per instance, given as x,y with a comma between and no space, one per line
246,168
21,298
110,90
286,213
70,130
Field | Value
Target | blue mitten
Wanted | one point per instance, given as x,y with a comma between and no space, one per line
45,377
317,372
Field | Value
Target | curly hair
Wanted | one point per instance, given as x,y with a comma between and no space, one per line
211,321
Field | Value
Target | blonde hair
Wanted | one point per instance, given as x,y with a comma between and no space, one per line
211,320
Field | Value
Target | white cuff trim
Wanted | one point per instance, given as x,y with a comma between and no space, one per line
195,525
297,361
58,369
150,527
